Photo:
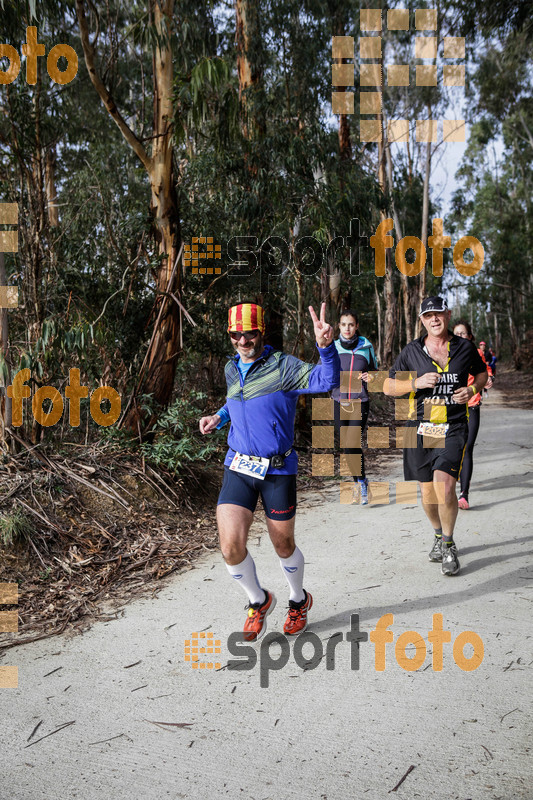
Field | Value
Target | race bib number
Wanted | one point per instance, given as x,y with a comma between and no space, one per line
437,430
254,466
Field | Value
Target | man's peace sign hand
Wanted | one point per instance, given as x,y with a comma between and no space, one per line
323,330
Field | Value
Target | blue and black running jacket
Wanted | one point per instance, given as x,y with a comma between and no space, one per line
359,358
262,407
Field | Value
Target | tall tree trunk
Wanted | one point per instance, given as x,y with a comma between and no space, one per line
389,295
515,340
51,194
425,220
33,282
390,312
378,310
33,225
163,355
5,408
406,306
161,359
497,343
345,144
274,319
39,230
249,67
345,157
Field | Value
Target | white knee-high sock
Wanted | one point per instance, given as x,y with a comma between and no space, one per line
245,574
293,569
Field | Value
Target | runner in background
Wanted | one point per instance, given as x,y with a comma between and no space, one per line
492,362
357,357
433,370
481,351
463,329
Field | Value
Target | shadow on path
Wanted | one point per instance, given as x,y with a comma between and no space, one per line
435,602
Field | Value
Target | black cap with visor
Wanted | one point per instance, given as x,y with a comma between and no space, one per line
432,304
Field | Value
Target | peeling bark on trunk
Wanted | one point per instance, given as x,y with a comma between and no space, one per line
38,238
390,312
165,346
300,422
389,296
249,66
406,307
345,144
378,310
424,232
497,342
33,230
515,338
5,402
161,360
51,194
345,156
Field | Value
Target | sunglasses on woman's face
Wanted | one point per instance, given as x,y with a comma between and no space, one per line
248,335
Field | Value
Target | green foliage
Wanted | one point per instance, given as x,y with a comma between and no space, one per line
261,163
207,93
177,440
45,574
117,439
496,196
15,527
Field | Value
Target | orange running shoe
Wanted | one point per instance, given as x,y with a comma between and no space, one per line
296,621
255,624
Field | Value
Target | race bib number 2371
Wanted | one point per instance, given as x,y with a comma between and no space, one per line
254,466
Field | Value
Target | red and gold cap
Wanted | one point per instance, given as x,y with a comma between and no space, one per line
246,317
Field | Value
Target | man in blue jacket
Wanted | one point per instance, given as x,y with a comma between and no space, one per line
263,386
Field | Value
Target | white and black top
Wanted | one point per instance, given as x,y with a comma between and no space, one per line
414,361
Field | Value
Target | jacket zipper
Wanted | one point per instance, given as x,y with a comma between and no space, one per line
351,370
275,426
241,381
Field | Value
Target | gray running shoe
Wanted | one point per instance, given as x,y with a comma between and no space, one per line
450,562
435,554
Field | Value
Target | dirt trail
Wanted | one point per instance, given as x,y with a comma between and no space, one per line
319,734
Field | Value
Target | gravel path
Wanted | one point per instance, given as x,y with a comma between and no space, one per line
319,733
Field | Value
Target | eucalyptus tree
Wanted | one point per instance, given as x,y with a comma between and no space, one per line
150,29
496,196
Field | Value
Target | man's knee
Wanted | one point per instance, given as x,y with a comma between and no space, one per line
444,487
284,547
282,536
427,491
233,551
233,526
440,492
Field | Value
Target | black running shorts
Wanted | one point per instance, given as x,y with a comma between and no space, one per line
278,493
419,463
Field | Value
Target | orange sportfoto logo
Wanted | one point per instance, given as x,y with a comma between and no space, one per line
32,50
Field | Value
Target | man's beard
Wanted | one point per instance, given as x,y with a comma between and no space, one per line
252,352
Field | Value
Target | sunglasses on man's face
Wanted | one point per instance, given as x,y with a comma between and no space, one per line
248,335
